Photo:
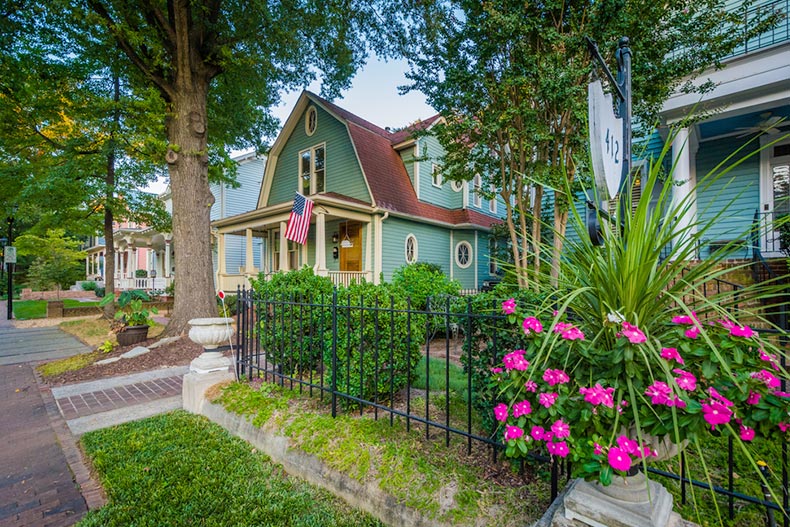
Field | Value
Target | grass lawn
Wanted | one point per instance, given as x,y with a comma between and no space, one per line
182,470
28,309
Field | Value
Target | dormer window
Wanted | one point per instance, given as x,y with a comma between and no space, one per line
311,170
310,121
477,185
436,175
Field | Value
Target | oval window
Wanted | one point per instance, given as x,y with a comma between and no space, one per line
411,249
463,255
311,120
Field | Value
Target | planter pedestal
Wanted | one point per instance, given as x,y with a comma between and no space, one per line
211,367
634,501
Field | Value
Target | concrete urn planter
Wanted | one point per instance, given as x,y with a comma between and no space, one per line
211,333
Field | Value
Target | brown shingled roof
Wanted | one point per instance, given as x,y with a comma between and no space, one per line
386,174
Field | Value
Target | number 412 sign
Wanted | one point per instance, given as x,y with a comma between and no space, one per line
606,141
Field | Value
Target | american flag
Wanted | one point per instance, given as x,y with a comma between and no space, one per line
299,221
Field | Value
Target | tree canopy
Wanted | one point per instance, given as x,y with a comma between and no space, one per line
510,79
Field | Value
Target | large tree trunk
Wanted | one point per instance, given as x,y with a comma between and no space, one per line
109,237
188,165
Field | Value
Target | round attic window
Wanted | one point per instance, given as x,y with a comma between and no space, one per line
311,120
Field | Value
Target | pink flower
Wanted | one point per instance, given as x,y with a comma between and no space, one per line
685,319
531,386
747,434
768,378
559,327
619,460
742,331
686,381
627,445
633,333
572,333
671,354
532,324
501,412
693,333
509,306
560,429
513,432
548,399
597,449
658,392
557,449
716,413
754,398
598,395
496,370
515,361
781,394
714,393
522,408
783,426
769,358
677,402
553,377
537,433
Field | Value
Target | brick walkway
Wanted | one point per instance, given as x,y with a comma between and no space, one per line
112,398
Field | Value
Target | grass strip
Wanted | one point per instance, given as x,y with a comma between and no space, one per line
179,469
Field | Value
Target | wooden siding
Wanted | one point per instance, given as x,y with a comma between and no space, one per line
433,245
236,253
465,276
407,156
230,201
342,172
741,186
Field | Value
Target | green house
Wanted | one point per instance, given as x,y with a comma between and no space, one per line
379,202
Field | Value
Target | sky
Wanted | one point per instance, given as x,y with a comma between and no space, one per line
373,96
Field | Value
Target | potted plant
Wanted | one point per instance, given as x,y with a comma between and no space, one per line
133,316
631,360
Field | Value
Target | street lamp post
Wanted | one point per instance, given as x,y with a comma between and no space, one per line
10,270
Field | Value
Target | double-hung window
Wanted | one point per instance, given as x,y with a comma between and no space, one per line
312,164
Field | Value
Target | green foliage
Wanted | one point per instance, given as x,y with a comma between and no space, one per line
228,307
100,292
374,356
57,263
28,309
141,273
783,227
174,468
421,280
89,286
294,318
76,362
106,347
131,310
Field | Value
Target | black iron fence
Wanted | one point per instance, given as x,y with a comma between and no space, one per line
359,353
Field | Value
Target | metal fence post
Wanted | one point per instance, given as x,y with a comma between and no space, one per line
334,352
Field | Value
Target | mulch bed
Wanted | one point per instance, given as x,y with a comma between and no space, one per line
178,353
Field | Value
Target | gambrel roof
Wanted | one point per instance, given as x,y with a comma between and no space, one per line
390,187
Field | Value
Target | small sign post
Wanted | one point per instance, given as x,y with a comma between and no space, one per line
610,136
9,253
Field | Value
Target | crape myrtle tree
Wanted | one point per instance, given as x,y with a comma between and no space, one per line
510,78
74,142
218,66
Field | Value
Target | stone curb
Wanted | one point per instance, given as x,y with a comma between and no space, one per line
365,496
89,423
68,390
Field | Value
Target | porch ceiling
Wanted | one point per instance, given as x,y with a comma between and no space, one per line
744,123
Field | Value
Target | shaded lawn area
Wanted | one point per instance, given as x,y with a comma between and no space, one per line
27,309
180,469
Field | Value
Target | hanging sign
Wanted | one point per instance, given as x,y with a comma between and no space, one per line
606,141
10,254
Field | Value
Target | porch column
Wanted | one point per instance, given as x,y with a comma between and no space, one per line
283,247
369,249
377,255
117,268
87,266
167,259
249,260
683,191
320,244
221,271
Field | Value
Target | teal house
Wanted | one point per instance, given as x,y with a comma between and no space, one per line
748,114
379,203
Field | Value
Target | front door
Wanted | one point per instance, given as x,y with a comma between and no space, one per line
775,204
350,247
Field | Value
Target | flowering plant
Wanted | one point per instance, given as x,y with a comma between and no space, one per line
595,406
624,367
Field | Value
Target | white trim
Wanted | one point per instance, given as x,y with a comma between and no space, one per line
477,266
457,186
452,244
416,255
766,203
477,198
311,110
417,168
492,203
312,150
436,169
470,256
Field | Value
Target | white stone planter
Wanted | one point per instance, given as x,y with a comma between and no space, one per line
210,333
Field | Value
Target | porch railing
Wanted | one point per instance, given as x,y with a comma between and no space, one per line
146,284
346,278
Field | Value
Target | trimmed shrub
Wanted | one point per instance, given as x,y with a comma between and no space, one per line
421,280
99,292
294,318
141,273
375,357
89,286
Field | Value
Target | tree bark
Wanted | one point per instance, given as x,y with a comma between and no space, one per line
188,167
109,180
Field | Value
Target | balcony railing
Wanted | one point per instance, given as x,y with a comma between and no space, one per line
779,33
